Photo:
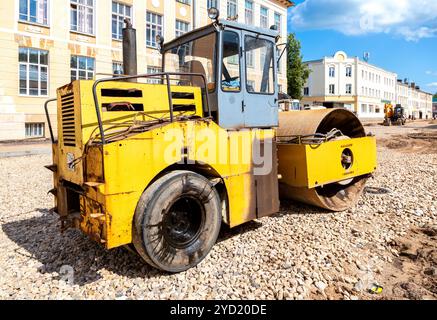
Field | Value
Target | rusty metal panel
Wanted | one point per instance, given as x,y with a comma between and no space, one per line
267,193
62,204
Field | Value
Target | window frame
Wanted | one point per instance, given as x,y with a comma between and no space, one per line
180,31
217,44
230,4
278,24
93,7
210,2
153,80
331,75
47,24
219,76
32,125
39,65
118,63
124,16
79,69
249,11
275,80
348,86
329,89
153,44
266,16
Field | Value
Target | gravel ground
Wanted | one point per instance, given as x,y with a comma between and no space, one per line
299,253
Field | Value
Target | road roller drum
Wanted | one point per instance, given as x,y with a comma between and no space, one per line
324,157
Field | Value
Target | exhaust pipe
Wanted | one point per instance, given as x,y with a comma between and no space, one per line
129,50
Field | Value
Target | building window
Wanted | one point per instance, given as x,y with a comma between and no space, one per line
82,68
35,11
153,28
348,72
232,9
184,1
33,71
348,89
264,17
249,59
364,108
117,68
82,16
278,21
331,72
248,12
119,13
34,130
212,4
151,70
181,27
306,91
332,89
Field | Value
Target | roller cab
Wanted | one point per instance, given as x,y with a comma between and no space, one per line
157,162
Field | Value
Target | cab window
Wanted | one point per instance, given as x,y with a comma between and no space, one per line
196,56
231,62
259,76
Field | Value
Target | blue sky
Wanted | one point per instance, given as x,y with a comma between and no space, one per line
401,35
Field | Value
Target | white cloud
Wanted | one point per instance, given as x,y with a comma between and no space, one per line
433,84
431,73
410,19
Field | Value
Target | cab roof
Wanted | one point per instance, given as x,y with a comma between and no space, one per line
200,32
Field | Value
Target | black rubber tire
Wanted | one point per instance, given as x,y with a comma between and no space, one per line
157,203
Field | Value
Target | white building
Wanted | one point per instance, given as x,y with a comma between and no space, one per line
342,81
45,44
416,102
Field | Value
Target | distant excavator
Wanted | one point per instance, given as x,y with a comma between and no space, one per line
394,115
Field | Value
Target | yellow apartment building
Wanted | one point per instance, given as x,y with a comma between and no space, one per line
47,43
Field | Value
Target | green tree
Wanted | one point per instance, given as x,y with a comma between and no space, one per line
297,71
435,95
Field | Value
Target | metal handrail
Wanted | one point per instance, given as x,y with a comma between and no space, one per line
48,117
154,75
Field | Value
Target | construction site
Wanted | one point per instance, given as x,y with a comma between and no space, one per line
196,186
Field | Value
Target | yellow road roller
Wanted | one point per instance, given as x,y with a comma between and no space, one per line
159,161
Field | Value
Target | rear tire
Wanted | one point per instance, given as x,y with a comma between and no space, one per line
177,221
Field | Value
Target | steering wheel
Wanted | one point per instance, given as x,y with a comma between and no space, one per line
232,79
227,75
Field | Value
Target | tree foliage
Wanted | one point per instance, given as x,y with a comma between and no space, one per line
435,95
297,71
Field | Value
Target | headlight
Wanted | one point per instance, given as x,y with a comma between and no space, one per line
213,13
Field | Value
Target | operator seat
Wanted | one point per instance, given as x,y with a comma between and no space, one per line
195,66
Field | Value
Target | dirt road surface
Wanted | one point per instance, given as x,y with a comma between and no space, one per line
387,242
